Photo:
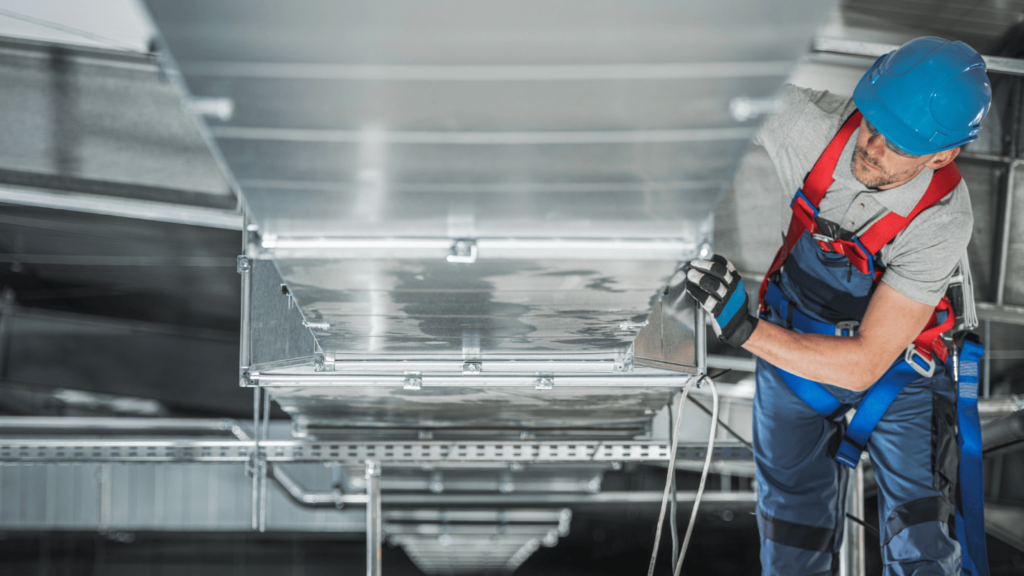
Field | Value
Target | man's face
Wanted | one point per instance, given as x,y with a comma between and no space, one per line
877,167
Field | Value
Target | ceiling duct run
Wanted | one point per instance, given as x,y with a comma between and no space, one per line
461,214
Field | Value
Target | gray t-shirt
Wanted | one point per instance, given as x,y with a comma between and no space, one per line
920,261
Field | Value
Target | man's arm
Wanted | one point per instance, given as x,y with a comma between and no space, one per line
891,323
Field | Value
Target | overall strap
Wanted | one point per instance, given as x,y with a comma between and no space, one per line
805,204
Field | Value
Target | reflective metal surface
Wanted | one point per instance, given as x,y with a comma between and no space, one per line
666,341
409,308
420,126
477,183
317,411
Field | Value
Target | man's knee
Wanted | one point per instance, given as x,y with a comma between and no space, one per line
917,539
923,549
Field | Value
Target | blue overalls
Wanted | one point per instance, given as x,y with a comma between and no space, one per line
803,445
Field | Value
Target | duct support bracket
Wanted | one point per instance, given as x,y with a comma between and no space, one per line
374,524
323,362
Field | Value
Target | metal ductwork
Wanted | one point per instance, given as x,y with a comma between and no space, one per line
460,215
469,202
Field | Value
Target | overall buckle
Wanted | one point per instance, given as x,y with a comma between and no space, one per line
847,328
921,364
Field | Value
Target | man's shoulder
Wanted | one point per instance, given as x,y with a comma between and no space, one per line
823,102
807,119
951,216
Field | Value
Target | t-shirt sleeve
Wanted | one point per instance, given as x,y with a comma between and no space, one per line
800,111
924,256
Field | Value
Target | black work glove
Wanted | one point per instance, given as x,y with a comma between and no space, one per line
716,285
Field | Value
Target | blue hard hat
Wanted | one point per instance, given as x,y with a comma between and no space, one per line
927,96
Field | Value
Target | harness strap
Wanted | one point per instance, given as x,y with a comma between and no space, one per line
798,320
882,232
815,185
970,506
814,395
870,412
820,177
860,251
874,405
930,340
876,402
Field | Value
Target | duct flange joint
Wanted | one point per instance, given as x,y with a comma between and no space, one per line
625,364
463,251
323,362
413,381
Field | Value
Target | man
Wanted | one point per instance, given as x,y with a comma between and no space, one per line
853,307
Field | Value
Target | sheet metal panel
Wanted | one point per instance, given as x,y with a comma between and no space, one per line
279,333
414,125
434,308
484,409
173,497
503,32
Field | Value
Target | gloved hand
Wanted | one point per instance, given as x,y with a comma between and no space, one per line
716,285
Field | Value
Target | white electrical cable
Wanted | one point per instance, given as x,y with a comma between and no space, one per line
673,505
671,473
703,474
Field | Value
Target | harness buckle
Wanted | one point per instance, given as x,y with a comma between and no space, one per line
825,242
921,364
847,328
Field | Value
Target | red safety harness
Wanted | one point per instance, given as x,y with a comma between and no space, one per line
860,251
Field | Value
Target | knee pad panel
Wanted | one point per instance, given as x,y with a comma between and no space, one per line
923,549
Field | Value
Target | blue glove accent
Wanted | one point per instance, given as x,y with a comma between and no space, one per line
716,285
735,303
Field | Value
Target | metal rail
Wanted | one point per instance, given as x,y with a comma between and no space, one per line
121,207
417,500
52,425
336,379
873,50
77,450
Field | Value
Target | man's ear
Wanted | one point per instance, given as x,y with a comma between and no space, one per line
943,158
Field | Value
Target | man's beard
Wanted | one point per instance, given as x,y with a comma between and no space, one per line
874,179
